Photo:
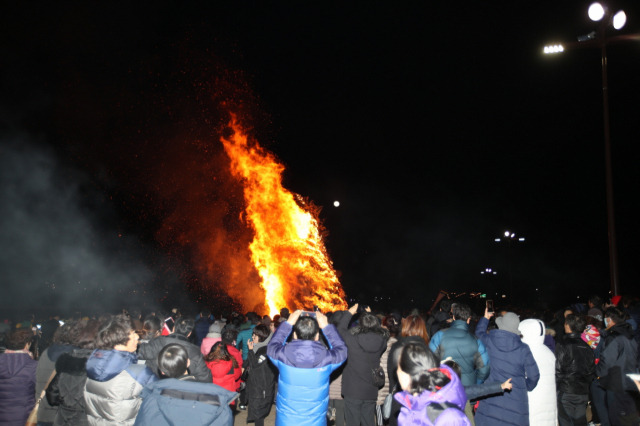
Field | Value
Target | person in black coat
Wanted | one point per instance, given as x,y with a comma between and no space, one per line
366,342
261,376
184,326
575,370
67,389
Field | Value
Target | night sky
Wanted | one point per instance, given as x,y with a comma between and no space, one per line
436,126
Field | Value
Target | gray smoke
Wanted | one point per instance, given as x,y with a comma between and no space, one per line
60,250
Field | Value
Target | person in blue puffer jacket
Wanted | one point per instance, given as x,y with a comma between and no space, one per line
305,365
114,379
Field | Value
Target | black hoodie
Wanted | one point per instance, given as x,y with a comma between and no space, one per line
618,358
364,352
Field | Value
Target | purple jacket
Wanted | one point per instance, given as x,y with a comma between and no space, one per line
414,408
17,387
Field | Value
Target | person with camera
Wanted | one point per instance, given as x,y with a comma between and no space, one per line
366,342
305,365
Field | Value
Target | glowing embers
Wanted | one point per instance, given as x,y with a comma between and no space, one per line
287,248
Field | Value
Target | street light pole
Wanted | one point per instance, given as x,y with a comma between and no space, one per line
611,226
598,12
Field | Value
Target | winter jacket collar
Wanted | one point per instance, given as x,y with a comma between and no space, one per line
371,342
505,341
459,324
623,329
259,345
103,365
54,351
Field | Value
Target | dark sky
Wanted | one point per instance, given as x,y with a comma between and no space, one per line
436,126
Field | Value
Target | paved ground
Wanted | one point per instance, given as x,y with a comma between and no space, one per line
241,418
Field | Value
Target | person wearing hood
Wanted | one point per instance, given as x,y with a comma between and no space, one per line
17,379
510,358
366,342
179,399
305,365
260,376
543,409
618,357
432,394
114,379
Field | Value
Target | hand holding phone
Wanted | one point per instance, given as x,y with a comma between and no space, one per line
490,305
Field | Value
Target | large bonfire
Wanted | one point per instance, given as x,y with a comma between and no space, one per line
287,249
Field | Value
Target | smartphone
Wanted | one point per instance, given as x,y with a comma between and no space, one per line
489,305
170,323
39,326
315,308
308,314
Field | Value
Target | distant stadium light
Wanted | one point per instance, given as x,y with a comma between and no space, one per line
553,48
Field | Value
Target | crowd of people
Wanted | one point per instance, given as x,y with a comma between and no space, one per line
454,366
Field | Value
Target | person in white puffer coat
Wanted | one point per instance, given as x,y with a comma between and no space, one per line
543,409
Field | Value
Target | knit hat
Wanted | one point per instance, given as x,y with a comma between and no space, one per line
509,322
215,330
591,336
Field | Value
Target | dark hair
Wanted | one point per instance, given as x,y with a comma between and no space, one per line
596,300
422,366
172,360
114,332
87,335
205,313
229,336
151,326
392,324
262,331
453,365
67,334
445,305
19,339
461,312
219,351
184,326
414,325
615,314
306,328
369,323
253,318
576,323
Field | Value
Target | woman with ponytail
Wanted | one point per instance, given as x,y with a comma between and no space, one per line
432,394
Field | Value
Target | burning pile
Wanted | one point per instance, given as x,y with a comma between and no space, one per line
287,249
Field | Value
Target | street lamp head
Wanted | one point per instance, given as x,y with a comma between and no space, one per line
554,48
596,11
619,19
507,233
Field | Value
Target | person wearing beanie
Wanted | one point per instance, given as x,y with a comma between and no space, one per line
213,336
510,358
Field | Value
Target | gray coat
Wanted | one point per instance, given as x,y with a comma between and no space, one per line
114,383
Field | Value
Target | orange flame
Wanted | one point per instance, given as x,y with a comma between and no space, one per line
287,248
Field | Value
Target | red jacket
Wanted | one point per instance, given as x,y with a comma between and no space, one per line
225,374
